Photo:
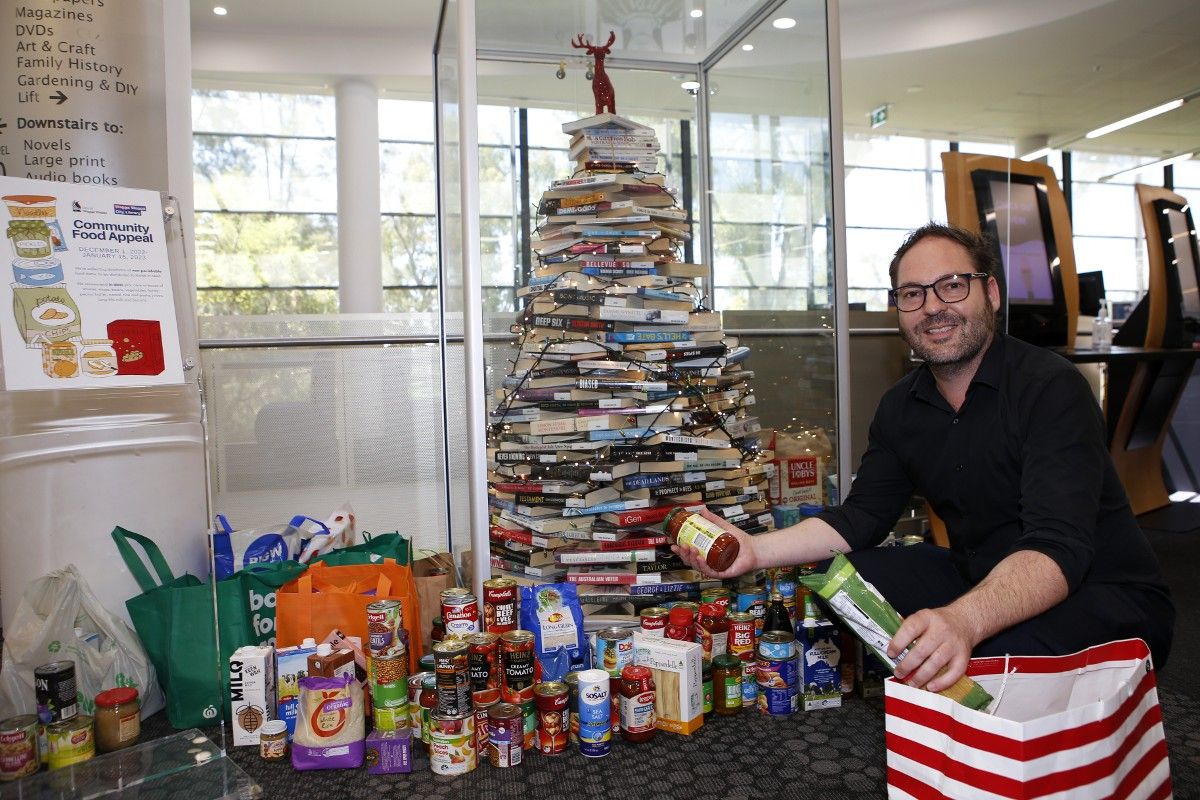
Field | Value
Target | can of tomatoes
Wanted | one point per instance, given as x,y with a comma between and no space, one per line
517,667
483,661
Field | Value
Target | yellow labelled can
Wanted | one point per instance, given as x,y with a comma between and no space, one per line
70,742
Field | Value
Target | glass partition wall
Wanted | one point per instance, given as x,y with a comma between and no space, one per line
739,99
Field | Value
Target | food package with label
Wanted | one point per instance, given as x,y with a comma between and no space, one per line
139,346
45,314
553,613
801,460
678,681
330,725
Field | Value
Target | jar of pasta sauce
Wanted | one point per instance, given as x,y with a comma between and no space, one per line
636,699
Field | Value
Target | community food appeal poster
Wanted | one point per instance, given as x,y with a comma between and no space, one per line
90,288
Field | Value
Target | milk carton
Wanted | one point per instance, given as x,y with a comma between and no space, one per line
291,664
821,676
251,691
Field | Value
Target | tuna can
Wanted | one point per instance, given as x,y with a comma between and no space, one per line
741,635
388,679
54,688
483,700
483,661
778,702
654,621
551,700
18,747
614,650
595,713
777,673
506,735
500,605
517,666
385,620
460,613
70,741
452,744
749,683
777,646
571,679
453,688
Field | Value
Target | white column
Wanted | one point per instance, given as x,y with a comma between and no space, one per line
360,263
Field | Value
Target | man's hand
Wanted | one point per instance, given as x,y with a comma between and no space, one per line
945,639
746,560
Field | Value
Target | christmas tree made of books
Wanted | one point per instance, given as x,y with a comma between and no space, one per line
626,399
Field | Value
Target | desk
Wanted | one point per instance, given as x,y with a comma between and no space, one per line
1145,384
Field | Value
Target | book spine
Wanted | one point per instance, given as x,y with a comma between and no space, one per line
571,323
606,557
632,542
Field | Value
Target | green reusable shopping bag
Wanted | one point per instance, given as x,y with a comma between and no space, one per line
374,548
174,618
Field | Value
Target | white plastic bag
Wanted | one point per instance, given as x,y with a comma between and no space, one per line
59,618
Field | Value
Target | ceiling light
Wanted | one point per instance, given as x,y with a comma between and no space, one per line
697,13
1166,162
220,11
690,86
783,23
747,47
1136,118
1034,155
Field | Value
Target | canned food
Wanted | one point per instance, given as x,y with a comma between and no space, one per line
787,589
614,650
452,744
415,682
754,603
595,713
385,620
654,620
460,613
777,645
428,705
426,662
388,678
741,635
530,718
571,679
749,683
70,741
483,661
18,747
778,702
717,594
453,688
777,673
551,700
506,735
517,666
54,689
483,700
500,605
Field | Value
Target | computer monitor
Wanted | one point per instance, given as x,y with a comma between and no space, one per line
1091,292
1181,253
1015,212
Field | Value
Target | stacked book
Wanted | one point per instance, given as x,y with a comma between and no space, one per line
626,399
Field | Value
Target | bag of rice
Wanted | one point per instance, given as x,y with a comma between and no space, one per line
329,725
553,613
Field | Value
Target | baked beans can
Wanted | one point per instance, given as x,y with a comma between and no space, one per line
741,635
595,713
778,702
754,603
483,700
777,645
55,690
388,679
506,735
571,679
460,613
500,605
654,621
453,687
483,661
749,683
452,743
19,747
614,650
385,621
517,666
777,674
553,717
717,594
71,741
415,682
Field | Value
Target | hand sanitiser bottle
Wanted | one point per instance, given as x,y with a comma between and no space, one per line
1102,328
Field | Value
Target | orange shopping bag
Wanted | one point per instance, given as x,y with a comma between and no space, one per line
328,598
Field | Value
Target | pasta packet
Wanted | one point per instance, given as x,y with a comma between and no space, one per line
330,726
875,622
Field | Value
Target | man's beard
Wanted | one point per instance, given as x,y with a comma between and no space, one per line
975,333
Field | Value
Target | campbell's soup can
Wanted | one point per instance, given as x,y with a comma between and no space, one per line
500,605
595,713
452,744
460,613
553,718
18,747
741,635
483,700
654,621
517,667
483,661
506,735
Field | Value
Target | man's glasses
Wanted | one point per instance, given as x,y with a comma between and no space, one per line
950,289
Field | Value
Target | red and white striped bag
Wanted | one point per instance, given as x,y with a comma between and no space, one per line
1086,725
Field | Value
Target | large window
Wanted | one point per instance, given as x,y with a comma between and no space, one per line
1106,222
266,203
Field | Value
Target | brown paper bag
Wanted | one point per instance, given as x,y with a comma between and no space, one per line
432,574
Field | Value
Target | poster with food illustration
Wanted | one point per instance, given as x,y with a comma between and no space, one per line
89,284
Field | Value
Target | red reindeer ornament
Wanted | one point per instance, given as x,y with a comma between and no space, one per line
602,88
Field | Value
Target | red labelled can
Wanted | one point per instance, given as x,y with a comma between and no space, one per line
460,613
517,666
553,717
654,620
506,735
741,635
500,605
484,700
484,661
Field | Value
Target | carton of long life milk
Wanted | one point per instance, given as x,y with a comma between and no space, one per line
251,691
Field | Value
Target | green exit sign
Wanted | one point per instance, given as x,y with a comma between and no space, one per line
879,116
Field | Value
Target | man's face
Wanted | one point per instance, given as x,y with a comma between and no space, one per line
946,333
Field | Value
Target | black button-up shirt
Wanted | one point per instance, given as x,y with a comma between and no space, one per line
1022,465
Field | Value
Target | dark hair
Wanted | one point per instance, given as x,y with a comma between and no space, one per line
980,249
